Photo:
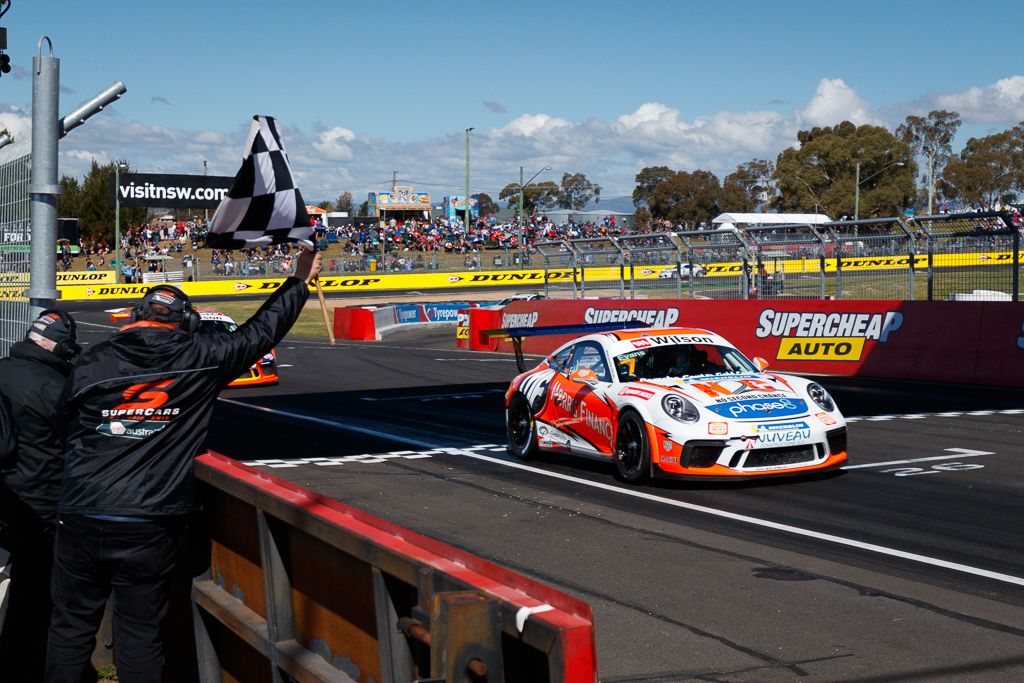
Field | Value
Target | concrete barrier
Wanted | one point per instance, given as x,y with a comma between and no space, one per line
371,323
965,342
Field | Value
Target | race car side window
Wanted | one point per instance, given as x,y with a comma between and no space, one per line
589,355
560,360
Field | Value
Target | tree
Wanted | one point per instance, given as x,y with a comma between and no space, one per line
821,174
70,197
576,192
485,205
325,205
688,198
536,196
364,209
931,137
754,180
646,180
344,203
987,170
93,203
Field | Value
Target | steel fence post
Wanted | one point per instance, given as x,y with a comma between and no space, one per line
44,188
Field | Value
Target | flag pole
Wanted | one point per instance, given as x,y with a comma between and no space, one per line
323,309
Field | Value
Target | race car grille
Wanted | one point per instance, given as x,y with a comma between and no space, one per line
837,440
767,457
701,453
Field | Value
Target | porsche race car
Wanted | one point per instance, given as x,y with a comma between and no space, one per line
263,371
674,402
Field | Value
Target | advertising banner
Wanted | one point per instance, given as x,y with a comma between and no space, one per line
939,341
170,191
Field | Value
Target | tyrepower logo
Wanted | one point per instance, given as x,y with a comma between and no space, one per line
655,317
826,336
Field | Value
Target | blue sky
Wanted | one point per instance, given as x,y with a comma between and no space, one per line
604,88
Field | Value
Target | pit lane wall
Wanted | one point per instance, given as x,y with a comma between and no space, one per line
960,342
369,323
303,585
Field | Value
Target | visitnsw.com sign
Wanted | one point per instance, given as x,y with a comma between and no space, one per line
170,191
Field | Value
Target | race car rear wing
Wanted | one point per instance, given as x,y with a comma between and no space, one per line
517,334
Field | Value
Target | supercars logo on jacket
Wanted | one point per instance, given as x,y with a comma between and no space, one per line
826,336
144,411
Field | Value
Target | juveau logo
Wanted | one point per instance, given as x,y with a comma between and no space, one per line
826,336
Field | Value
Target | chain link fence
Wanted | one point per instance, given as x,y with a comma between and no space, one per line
15,246
960,257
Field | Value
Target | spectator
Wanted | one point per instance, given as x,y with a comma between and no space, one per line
128,479
31,381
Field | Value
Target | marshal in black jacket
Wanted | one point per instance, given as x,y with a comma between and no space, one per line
32,380
140,406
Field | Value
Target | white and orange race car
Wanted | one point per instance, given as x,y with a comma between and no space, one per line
263,371
675,402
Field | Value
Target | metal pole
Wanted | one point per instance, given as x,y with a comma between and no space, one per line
520,221
44,188
468,131
856,196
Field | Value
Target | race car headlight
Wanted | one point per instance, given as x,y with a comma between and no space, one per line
821,397
678,408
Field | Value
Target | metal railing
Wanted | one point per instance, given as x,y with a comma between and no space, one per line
15,249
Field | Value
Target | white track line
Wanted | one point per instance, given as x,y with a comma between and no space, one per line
746,519
959,453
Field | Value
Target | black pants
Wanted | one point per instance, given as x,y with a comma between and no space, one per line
29,537
134,560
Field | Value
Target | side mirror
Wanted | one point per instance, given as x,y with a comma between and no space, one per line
584,376
761,363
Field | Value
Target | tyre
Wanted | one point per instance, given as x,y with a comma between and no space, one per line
521,428
632,450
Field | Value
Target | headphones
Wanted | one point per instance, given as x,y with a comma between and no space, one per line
65,348
189,319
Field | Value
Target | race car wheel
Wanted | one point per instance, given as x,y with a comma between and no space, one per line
632,452
521,428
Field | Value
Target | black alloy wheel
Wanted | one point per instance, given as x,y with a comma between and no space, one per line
521,428
632,451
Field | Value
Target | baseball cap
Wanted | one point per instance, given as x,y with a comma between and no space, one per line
54,331
175,300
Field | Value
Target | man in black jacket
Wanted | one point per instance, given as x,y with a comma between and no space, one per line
139,408
31,381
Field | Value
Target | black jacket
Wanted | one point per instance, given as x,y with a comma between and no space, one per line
140,406
32,380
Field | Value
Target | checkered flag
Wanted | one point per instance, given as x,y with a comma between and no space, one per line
263,206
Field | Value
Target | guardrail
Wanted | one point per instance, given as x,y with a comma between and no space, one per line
301,586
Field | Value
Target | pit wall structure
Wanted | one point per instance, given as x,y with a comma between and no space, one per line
371,323
964,342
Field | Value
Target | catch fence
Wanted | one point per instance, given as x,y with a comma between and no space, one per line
958,257
15,246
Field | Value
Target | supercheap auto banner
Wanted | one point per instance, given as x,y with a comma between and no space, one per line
939,341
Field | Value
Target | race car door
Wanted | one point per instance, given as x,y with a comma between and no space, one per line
582,410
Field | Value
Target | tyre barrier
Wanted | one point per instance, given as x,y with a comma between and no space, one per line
303,586
957,342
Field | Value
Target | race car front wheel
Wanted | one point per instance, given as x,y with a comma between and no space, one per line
632,452
521,428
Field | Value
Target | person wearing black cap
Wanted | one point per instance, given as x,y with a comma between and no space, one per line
32,378
139,407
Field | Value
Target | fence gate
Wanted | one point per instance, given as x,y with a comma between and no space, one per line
15,245
787,261
716,259
654,266
602,267
560,267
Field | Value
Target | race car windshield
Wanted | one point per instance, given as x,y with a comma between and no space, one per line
681,360
217,327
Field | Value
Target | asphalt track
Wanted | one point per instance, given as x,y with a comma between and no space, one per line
906,566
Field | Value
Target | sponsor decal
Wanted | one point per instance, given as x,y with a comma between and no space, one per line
578,409
790,432
826,336
642,343
162,297
734,387
669,460
454,278
131,430
718,428
758,408
239,286
519,319
637,392
825,418
655,317
142,414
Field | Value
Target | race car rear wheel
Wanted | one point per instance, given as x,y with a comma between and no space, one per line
521,428
632,451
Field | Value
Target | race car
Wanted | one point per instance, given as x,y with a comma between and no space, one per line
683,271
264,371
675,403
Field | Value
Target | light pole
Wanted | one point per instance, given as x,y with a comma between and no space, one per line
466,226
117,221
859,182
522,188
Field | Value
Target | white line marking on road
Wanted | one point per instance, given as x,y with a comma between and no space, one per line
106,327
285,365
434,397
476,360
746,519
959,453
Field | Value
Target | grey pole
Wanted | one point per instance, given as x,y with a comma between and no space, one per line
44,188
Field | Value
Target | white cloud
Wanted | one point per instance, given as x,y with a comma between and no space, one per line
530,125
333,144
1001,102
833,102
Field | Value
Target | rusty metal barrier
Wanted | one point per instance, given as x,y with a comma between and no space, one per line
303,587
